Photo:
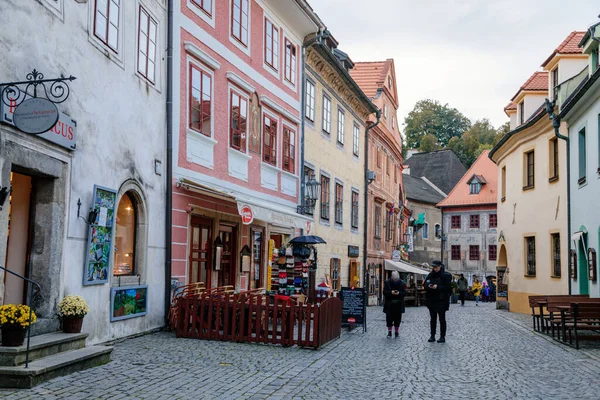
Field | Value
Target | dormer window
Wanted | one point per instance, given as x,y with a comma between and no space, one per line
522,112
555,83
475,184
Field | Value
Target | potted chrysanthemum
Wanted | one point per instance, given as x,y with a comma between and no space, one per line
14,321
71,311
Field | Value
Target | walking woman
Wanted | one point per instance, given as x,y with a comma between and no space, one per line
476,288
394,291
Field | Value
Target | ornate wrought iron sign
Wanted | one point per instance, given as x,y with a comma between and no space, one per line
33,102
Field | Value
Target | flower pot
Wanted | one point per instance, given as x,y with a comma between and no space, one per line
13,335
72,324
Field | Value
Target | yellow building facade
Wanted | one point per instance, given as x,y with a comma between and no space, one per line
334,154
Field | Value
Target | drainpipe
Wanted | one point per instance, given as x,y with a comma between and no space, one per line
169,194
319,36
366,214
556,124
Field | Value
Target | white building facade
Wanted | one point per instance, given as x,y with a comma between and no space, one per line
105,153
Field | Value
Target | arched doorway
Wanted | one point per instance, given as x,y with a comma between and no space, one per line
582,265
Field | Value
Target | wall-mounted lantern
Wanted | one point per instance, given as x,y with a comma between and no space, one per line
92,214
245,257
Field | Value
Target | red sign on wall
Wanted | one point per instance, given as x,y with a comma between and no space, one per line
247,215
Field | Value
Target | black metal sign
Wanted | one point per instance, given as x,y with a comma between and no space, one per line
353,251
353,306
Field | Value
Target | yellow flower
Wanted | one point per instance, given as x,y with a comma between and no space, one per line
72,306
11,314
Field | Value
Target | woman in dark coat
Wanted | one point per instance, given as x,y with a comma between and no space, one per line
394,291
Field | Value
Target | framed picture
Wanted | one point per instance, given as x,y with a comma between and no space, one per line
100,234
592,265
128,302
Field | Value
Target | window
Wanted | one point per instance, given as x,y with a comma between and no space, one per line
238,115
309,173
289,150
339,204
493,220
388,165
124,262
556,254
205,5
290,62
395,174
200,101
455,222
475,188
148,28
272,45
326,114
377,221
334,271
473,253
106,22
492,252
503,184
355,139
555,83
553,159
437,231
385,111
354,216
474,221
582,157
390,82
389,226
341,123
324,198
310,101
257,249
426,231
521,112
529,170
239,21
530,252
379,157
455,252
270,141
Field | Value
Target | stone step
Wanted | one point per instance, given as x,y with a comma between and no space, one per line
42,346
53,366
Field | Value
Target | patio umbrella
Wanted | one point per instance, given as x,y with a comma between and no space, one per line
309,239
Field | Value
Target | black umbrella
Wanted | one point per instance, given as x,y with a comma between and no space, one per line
309,239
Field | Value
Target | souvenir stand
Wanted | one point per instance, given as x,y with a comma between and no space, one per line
290,271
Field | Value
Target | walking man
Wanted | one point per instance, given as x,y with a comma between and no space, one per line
437,286
463,286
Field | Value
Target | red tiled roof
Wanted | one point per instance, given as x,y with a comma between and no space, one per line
537,82
460,195
370,75
569,46
511,106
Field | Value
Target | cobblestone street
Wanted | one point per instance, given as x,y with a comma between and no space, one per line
488,354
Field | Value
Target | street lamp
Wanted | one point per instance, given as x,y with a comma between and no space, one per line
312,195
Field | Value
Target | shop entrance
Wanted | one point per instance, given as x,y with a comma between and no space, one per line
18,249
228,235
201,251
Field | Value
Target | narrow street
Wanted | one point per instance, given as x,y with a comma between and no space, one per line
489,353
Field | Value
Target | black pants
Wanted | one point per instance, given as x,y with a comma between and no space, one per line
461,295
433,313
393,318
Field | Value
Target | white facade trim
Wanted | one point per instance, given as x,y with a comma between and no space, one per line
201,55
238,80
276,107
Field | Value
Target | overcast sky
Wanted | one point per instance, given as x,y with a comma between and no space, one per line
472,54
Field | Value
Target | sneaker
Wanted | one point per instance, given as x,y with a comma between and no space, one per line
442,340
389,334
431,339
397,334
477,304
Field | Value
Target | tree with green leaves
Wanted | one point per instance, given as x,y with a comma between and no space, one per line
481,136
429,117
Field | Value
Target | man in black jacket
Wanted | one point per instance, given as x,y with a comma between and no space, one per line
438,288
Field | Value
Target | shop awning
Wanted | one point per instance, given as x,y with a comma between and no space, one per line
402,266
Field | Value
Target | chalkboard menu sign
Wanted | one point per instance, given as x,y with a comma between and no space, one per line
353,306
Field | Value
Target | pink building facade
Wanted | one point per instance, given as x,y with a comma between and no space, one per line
236,146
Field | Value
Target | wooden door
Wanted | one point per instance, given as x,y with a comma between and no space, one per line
228,236
354,279
200,251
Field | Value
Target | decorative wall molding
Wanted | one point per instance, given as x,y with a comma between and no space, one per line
203,56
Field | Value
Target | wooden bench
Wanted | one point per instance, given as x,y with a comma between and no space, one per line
582,316
539,302
556,306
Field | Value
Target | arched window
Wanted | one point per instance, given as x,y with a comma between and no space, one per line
125,236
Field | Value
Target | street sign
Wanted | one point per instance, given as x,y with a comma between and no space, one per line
353,305
35,116
247,215
396,255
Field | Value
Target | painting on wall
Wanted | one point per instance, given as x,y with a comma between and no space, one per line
128,302
100,235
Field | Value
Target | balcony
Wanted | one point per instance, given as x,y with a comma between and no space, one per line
566,89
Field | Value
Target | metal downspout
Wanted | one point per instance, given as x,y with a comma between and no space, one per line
556,125
169,178
366,214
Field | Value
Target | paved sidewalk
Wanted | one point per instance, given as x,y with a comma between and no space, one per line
489,354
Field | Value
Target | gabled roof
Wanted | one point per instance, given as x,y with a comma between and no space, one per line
420,190
370,75
537,82
460,195
442,168
510,107
569,46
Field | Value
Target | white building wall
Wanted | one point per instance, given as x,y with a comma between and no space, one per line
121,121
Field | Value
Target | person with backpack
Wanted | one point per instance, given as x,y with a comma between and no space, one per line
438,290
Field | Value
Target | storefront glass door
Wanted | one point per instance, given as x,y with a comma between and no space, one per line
200,251
228,236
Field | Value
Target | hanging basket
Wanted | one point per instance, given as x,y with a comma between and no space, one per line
13,335
72,324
